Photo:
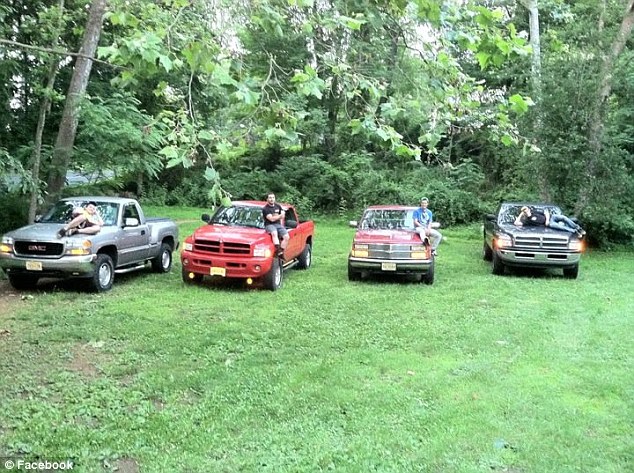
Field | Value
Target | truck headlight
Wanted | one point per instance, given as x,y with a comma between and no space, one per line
188,246
262,252
359,251
575,245
78,248
503,241
7,245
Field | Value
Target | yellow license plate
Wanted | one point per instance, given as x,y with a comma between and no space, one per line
215,271
388,266
34,266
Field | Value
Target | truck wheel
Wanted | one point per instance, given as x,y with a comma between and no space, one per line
198,278
572,273
23,281
487,252
305,259
103,276
498,265
273,279
353,275
163,261
428,277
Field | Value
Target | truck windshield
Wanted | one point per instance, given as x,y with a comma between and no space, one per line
62,211
244,216
509,213
387,219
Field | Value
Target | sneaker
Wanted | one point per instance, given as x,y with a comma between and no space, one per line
581,233
61,233
433,253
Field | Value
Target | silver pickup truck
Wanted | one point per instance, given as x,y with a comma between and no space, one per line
126,242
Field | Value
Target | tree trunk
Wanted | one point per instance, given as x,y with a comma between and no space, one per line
44,109
536,79
595,128
63,150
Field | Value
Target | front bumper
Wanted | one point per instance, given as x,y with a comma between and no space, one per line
64,267
393,266
251,267
538,259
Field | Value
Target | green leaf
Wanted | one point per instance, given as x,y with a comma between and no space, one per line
211,174
205,135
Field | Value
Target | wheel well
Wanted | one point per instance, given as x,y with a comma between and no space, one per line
110,251
309,240
170,241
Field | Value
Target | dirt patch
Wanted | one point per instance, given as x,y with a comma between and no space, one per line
126,465
85,361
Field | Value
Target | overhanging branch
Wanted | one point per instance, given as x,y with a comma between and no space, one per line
56,52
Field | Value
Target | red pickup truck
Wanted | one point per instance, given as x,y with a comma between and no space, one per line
386,243
234,244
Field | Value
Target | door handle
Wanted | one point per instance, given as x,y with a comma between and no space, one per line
142,232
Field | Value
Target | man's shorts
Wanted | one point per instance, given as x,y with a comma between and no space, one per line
276,227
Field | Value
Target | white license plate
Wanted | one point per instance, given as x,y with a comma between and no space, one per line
34,266
215,271
388,266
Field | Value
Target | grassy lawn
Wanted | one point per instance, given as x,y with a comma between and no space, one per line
476,373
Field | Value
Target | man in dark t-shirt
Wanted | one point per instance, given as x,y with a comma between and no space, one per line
532,218
543,218
273,215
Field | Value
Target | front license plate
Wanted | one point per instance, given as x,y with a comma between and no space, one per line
34,266
388,266
215,271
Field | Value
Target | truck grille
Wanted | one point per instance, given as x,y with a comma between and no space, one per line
38,248
222,247
387,251
542,242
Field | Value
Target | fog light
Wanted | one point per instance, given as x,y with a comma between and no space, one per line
257,268
191,275
185,262
249,281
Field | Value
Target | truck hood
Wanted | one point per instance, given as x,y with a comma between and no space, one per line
36,232
48,232
233,234
387,236
530,230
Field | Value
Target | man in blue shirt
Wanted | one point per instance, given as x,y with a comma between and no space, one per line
423,218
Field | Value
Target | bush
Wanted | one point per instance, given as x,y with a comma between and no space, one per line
13,210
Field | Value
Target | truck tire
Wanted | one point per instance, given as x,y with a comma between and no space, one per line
305,258
428,277
487,252
198,278
353,274
23,281
498,265
273,279
103,277
572,272
162,263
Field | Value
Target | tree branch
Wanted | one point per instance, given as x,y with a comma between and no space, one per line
57,52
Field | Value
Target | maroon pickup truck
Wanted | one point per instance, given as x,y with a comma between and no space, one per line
386,243
234,244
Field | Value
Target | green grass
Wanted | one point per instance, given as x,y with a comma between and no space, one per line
476,373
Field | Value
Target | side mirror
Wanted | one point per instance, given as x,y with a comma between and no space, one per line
291,224
205,218
353,223
37,218
490,217
131,222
